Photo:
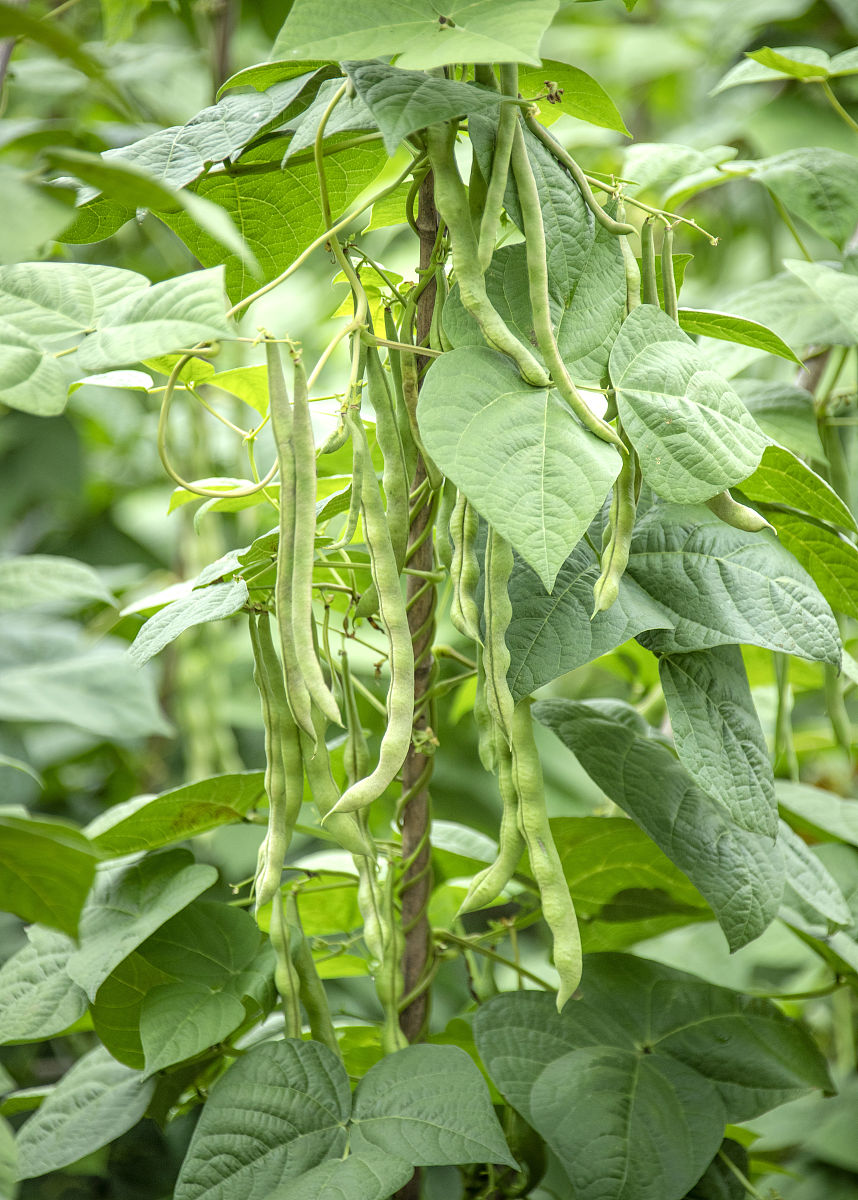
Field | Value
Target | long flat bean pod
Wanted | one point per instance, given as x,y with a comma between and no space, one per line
497,613
303,551
486,730
537,274
465,569
345,827
400,696
668,279
615,554
488,884
453,206
310,987
557,907
507,121
648,277
285,976
281,425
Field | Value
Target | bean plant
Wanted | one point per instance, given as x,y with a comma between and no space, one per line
521,457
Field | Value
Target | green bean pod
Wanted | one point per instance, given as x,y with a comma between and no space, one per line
443,545
403,419
537,275
557,907
621,524
304,548
356,756
452,204
345,827
465,569
310,987
285,976
400,697
497,613
297,693
648,278
389,982
491,210
488,884
631,267
729,511
359,449
668,279
487,747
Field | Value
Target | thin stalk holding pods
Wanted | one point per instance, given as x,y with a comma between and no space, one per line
445,935
740,1175
837,106
537,273
452,204
790,224
163,419
507,122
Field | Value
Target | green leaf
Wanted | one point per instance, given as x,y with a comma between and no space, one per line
624,888
808,878
349,115
718,1182
783,412
94,1103
206,943
149,822
57,303
433,1101
277,212
582,96
327,904
128,903
178,155
549,635
8,1162
837,290
692,432
718,736
629,1067
825,814
47,579
739,873
179,312
364,1175
37,998
212,603
279,1111
250,384
262,76
698,322
819,185
117,1006
473,31
29,379
782,478
33,215
404,101
46,870
827,556
803,68
481,423
724,585
753,70
95,220
180,1020
121,16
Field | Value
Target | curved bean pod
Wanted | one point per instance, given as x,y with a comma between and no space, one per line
615,554
488,884
497,613
729,511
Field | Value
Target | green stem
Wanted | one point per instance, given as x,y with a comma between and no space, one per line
790,224
445,935
837,106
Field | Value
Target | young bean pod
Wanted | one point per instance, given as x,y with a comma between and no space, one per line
297,693
487,746
400,697
488,884
356,756
403,418
491,210
285,976
304,552
648,277
497,613
616,548
345,827
465,569
668,279
557,907
310,987
443,544
738,515
632,270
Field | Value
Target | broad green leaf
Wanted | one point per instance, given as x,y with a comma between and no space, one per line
8,1162
327,904
845,63
262,76
692,432
838,947
95,220
57,303
211,603
365,1175
582,97
177,155
782,478
751,70
30,380
121,16
827,556
18,764
128,903
46,870
47,579
549,635
349,115
624,888
723,586
659,164
404,101
803,68
700,322
279,1111
33,215
471,31
433,1101
825,814
718,736
837,290
819,185
807,876
250,384
94,1103
206,943
739,873
718,1181
482,423
182,1019
179,312
783,412
149,822
277,212
37,998
53,673
117,1006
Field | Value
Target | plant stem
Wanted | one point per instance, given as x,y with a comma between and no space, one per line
837,106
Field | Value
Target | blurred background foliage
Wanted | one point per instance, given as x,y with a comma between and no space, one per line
88,485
